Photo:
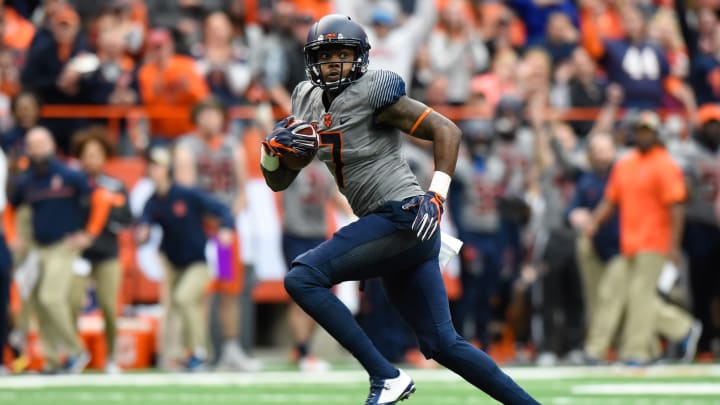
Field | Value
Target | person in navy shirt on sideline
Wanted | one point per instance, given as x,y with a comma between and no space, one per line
59,198
181,212
594,254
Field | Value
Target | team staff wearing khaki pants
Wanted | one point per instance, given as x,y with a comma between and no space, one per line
51,296
625,285
592,269
107,275
648,189
185,289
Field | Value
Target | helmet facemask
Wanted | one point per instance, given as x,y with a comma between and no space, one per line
313,67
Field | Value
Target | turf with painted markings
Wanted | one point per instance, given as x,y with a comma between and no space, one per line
694,385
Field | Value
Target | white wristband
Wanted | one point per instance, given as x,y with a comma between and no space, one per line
268,162
440,183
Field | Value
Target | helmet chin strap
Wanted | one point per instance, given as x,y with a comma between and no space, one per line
338,85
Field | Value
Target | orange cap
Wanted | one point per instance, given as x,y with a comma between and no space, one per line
66,14
708,112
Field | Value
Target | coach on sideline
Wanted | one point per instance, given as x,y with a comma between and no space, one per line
58,197
648,189
182,212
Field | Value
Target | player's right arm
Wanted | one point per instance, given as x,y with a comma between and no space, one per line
277,176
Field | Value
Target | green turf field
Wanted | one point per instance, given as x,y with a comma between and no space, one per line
681,385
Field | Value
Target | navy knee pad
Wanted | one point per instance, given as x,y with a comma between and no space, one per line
302,277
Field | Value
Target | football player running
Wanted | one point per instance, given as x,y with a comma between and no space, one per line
357,113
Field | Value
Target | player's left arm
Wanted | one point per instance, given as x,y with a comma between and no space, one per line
419,120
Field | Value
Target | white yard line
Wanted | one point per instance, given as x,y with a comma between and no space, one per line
335,377
648,388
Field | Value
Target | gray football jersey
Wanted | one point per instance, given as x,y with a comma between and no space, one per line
363,157
702,171
304,202
216,172
420,162
480,187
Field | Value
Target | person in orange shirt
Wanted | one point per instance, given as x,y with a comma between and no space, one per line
17,32
648,189
169,81
318,8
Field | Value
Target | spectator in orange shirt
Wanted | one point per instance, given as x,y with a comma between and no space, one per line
648,189
17,32
319,8
169,80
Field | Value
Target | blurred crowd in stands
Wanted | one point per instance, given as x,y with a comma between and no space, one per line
586,192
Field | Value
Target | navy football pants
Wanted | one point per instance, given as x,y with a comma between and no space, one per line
382,245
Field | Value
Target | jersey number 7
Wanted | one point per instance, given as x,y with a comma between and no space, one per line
333,139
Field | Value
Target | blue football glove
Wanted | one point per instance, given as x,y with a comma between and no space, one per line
430,210
284,140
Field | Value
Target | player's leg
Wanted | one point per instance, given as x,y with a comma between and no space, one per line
302,325
419,295
367,248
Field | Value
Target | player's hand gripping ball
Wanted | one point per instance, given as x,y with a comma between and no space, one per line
294,141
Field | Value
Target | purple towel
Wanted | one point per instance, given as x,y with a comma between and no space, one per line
224,261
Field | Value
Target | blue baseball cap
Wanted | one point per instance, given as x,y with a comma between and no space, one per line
383,16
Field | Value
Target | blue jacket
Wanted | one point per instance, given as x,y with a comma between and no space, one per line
589,192
535,17
181,213
58,197
704,71
43,67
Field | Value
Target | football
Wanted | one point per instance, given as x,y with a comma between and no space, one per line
303,129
